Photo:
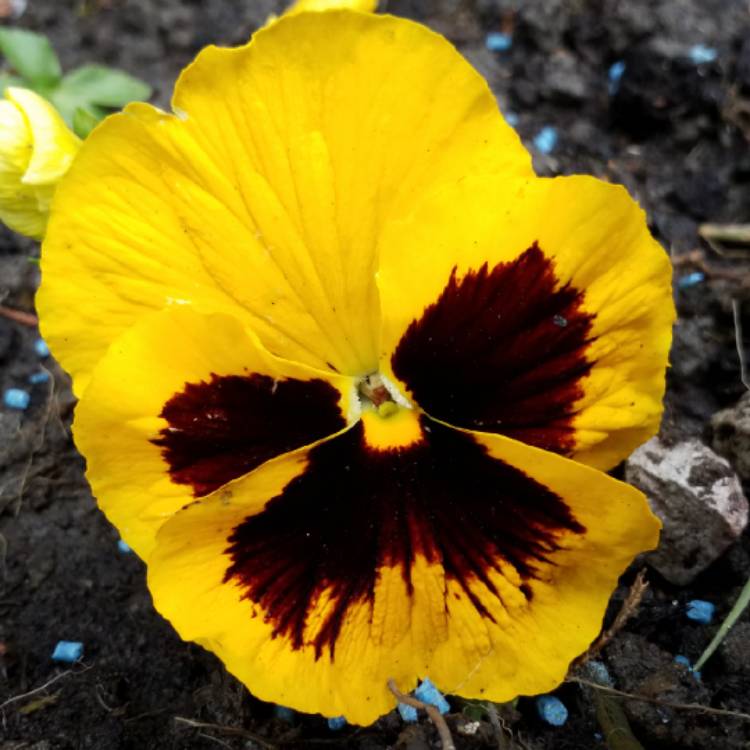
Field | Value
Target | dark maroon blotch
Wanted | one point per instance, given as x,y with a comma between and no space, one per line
224,428
502,350
355,510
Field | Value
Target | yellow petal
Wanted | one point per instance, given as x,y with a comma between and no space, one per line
544,313
476,560
183,404
267,195
302,6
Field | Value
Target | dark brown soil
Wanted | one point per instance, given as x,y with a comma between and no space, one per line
676,133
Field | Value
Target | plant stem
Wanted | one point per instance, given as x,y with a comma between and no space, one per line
739,607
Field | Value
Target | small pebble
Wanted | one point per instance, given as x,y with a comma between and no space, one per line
336,723
496,41
615,73
67,651
551,710
283,713
700,611
701,54
560,321
37,378
546,140
470,728
690,279
41,348
15,398
428,693
123,546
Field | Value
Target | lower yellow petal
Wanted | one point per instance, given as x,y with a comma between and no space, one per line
471,559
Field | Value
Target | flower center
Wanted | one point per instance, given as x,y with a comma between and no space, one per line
378,393
389,420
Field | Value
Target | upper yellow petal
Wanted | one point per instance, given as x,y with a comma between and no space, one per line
301,6
268,192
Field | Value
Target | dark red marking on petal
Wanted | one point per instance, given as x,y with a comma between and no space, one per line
502,350
355,510
225,428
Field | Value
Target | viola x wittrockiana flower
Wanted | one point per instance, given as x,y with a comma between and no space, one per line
36,149
349,371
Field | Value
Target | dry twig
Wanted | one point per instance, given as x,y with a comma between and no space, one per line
739,341
231,731
627,610
734,233
39,689
659,702
435,716
19,316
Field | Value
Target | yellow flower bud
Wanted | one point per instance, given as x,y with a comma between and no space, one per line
36,149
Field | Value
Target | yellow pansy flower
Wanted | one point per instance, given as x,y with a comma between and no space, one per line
349,371
36,149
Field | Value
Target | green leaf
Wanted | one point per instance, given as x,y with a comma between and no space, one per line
96,85
84,122
31,56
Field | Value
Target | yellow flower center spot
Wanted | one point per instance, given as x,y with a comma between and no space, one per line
388,419
400,429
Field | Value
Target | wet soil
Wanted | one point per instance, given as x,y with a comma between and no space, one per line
675,131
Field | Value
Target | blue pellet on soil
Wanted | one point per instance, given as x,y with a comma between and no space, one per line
67,651
551,710
690,279
408,713
337,722
123,546
511,118
428,693
685,662
496,41
15,398
546,140
700,611
615,74
41,348
701,54
37,378
599,673
283,714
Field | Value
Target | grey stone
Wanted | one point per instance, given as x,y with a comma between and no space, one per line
730,430
699,500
